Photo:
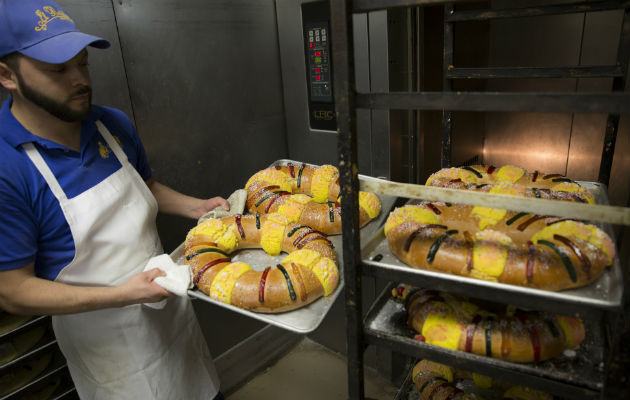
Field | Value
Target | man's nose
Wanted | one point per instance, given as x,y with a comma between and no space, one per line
79,76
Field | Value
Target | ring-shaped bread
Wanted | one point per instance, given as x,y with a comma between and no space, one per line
308,272
435,381
306,195
498,245
528,184
457,323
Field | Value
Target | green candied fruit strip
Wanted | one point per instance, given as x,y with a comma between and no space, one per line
206,250
289,283
565,260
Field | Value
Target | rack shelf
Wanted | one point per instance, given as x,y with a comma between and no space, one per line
579,376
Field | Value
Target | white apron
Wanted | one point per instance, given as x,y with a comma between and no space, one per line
134,352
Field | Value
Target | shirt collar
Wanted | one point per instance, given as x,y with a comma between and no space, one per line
12,131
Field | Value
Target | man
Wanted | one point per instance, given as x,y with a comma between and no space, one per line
77,220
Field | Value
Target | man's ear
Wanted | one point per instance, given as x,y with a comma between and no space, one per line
8,79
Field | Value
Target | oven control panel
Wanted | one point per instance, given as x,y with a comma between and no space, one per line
315,21
319,63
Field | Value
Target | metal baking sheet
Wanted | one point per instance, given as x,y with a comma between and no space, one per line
306,319
605,294
576,374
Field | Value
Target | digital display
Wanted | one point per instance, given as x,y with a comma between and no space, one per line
315,21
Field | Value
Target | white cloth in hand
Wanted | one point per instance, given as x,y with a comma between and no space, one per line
178,278
236,201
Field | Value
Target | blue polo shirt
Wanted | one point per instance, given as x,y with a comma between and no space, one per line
32,225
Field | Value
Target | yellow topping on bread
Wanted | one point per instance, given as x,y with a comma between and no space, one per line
273,176
573,330
490,253
217,231
272,233
327,273
417,215
442,370
482,381
370,203
303,256
324,268
510,173
292,208
490,216
441,327
452,173
573,187
223,283
587,233
320,182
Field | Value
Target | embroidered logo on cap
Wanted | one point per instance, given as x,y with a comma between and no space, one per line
49,14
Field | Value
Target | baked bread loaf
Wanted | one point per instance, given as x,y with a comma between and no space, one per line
306,195
498,245
308,272
435,381
529,184
505,333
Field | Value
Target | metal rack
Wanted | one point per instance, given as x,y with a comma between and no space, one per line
361,333
51,377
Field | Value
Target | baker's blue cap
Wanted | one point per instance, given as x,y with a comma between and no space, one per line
42,30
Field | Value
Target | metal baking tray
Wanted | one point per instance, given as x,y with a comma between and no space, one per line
306,319
605,294
576,374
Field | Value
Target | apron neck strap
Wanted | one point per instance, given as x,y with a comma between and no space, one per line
44,169
113,144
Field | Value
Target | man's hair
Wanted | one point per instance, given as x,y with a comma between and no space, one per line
11,60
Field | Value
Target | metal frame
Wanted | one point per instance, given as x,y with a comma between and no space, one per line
347,100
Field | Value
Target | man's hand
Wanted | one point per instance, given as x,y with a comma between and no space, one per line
211,204
175,203
140,288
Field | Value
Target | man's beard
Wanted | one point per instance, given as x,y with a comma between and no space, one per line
58,109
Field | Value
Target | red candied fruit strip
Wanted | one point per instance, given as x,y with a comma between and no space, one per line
470,333
420,338
527,223
531,257
207,266
261,285
533,334
239,225
434,208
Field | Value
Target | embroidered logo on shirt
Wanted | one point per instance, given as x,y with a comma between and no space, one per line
103,148
49,14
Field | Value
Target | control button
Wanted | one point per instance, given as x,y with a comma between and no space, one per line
317,38
310,32
323,38
316,32
310,39
323,31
